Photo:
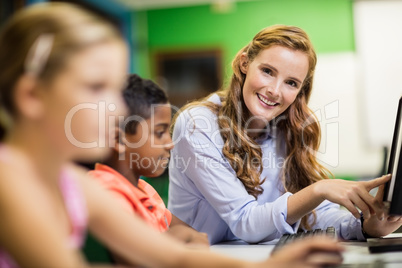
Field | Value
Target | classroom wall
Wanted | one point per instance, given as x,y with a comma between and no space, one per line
329,24
379,43
337,87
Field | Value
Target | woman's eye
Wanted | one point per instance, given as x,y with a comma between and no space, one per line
267,71
292,83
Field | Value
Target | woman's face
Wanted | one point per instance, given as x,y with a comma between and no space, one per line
84,99
273,80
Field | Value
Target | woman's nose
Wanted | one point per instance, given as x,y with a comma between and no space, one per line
273,88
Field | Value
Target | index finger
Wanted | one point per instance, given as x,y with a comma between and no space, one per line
377,182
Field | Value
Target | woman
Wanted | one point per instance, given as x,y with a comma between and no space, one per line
244,163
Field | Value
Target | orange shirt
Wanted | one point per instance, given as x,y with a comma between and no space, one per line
144,200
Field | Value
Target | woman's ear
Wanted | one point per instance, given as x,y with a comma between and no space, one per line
244,63
27,97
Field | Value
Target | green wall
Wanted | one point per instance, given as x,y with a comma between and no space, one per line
329,24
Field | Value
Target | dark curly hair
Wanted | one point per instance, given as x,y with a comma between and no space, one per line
140,94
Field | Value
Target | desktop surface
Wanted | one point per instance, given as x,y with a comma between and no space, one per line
355,252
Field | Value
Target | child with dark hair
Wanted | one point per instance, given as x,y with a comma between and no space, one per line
142,148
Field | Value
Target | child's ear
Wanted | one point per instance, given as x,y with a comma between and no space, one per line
119,145
27,97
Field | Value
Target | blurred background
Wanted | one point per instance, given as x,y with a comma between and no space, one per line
187,47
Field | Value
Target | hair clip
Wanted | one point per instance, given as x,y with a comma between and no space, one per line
38,54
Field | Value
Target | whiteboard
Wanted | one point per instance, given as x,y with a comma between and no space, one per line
378,33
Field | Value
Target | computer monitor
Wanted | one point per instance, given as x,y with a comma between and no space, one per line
393,188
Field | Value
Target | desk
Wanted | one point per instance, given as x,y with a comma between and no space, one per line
355,252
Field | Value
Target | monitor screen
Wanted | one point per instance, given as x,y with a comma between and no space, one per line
393,188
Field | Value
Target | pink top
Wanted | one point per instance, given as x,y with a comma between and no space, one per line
76,209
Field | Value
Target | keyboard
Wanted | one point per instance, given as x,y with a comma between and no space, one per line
331,232
288,238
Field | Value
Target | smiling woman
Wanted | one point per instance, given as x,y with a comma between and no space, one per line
251,170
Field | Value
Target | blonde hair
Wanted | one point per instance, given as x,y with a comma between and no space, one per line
301,167
70,29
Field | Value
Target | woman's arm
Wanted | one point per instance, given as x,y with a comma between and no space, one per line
350,194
